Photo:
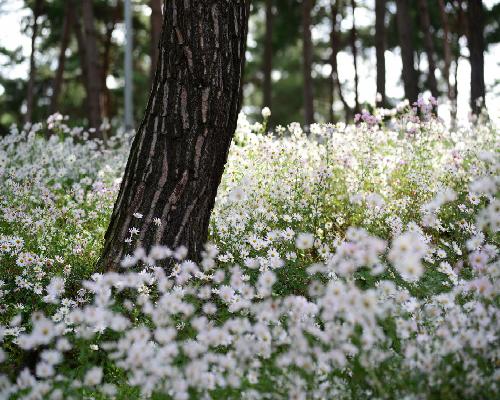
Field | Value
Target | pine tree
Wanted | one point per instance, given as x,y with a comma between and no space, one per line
179,152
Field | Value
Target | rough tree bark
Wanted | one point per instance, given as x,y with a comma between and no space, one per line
410,78
476,49
30,96
267,65
179,152
425,22
156,23
69,18
380,46
92,67
355,57
307,59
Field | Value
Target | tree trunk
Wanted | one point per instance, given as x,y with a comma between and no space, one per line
476,50
307,59
80,40
355,57
106,62
156,23
380,46
446,48
92,67
407,52
425,22
454,90
334,76
334,38
179,152
267,66
30,97
69,18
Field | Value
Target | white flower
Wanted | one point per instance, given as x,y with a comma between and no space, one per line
237,195
52,357
44,370
266,112
410,268
267,278
93,377
226,293
304,241
128,261
138,215
251,263
54,289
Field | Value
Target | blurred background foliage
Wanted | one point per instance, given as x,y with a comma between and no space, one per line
54,27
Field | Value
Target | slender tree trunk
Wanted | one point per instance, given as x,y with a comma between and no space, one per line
106,62
476,50
93,68
454,90
307,59
355,57
69,18
446,48
156,24
425,22
106,57
334,38
410,78
179,152
267,66
80,39
380,46
30,97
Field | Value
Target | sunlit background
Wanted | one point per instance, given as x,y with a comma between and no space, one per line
15,20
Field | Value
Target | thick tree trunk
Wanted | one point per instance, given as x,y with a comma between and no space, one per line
156,24
92,67
476,50
30,96
69,18
307,59
355,57
410,78
380,46
267,65
425,22
446,48
179,152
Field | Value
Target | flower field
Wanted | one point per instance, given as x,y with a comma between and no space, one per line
352,262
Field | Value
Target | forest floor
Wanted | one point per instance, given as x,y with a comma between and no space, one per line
358,261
